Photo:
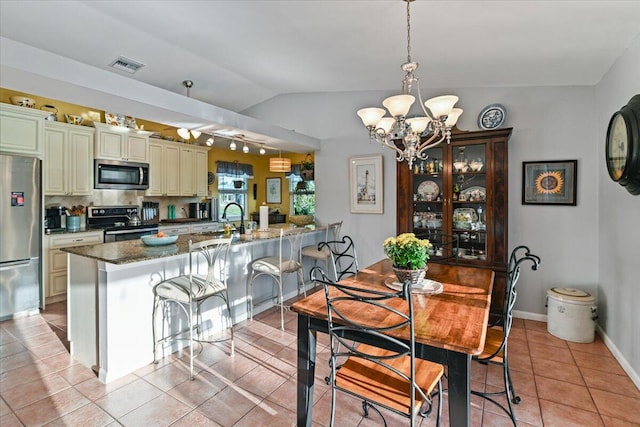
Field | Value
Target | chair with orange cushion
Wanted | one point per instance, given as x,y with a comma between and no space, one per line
391,377
496,342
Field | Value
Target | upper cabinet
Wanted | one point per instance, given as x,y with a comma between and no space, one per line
177,169
68,160
22,130
460,193
120,143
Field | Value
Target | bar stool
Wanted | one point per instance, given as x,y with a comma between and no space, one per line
318,253
278,266
189,292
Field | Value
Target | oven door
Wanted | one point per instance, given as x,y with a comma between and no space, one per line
120,235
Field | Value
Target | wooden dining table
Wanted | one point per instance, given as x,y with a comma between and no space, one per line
450,328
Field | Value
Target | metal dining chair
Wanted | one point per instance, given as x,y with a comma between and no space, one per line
497,339
276,267
342,256
385,376
189,291
315,252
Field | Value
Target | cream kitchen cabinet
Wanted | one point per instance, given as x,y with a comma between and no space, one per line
22,130
56,263
164,169
193,171
203,227
119,143
68,160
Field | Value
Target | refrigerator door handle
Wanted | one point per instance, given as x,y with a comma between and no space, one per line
12,264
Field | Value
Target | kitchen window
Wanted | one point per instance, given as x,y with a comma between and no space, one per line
233,180
302,193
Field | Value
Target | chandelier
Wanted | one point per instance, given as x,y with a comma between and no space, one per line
411,137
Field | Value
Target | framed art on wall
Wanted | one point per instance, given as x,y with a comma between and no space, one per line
274,190
366,184
551,182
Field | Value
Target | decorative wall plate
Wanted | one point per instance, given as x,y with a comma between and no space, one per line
492,116
428,187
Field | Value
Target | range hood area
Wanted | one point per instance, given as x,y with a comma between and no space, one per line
57,77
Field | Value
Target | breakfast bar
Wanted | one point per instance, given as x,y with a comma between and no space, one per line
110,298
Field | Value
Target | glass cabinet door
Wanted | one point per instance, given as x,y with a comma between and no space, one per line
469,200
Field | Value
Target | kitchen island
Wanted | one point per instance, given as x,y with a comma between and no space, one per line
110,295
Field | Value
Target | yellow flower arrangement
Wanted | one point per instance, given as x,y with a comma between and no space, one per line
406,251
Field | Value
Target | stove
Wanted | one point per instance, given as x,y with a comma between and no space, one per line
114,220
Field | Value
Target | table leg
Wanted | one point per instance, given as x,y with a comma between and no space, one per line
459,380
306,370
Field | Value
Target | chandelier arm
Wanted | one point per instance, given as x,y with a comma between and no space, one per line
422,106
380,137
429,142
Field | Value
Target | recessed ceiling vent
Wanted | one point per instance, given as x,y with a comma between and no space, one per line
125,64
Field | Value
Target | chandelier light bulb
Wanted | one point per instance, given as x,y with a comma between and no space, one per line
245,149
411,137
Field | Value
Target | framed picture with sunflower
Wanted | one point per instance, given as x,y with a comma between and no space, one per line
552,182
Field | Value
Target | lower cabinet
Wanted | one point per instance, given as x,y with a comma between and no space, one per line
56,263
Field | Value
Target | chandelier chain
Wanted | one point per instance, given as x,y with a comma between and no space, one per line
408,30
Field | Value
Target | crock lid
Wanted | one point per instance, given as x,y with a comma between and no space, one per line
570,294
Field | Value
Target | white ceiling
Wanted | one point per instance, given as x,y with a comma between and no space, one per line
240,53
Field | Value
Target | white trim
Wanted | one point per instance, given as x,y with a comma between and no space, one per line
610,345
619,357
529,316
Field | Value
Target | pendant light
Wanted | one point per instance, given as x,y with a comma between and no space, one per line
279,164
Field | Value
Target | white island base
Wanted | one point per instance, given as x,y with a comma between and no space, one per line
110,305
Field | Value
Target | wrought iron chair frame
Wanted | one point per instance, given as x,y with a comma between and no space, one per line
342,344
500,352
332,233
343,255
190,291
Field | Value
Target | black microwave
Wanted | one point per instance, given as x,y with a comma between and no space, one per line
119,175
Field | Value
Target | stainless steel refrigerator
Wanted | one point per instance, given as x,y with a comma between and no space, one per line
20,235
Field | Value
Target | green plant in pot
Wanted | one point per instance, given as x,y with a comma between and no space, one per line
307,168
409,256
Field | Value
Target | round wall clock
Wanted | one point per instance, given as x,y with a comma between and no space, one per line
622,152
492,116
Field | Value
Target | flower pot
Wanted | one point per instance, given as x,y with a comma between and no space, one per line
413,276
307,175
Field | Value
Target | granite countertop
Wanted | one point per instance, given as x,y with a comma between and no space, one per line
132,251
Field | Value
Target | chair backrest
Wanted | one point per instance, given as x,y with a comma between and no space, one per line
333,231
386,311
293,237
511,293
344,259
215,252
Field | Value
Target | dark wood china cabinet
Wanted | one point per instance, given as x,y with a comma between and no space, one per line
461,191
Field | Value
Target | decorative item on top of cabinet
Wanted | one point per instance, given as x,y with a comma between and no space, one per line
120,143
464,194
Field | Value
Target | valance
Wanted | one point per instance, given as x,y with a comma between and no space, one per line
234,169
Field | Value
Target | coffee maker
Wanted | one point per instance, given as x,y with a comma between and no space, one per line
53,218
201,210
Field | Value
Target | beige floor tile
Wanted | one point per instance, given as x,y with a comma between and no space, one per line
193,393
52,407
169,376
12,348
619,384
195,419
127,398
75,374
605,362
4,408
617,406
596,347
565,393
27,393
543,337
557,415
229,405
161,411
88,415
533,325
17,360
267,414
237,366
568,372
549,352
262,381
94,389
616,422
10,420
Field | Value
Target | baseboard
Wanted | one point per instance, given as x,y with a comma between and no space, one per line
607,341
619,357
529,316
